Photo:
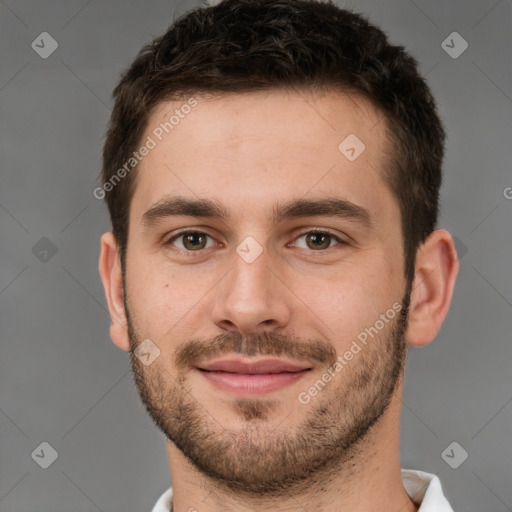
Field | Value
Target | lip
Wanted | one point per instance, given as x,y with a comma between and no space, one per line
244,377
247,366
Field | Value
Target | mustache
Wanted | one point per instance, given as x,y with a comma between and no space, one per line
195,351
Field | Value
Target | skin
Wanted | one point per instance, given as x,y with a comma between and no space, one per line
250,152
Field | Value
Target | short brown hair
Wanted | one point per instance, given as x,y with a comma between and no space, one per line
241,46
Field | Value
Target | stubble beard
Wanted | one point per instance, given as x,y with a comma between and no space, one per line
264,460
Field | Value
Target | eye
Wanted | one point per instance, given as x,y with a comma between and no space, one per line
319,240
190,240
194,241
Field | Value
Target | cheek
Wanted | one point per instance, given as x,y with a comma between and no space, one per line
160,298
351,299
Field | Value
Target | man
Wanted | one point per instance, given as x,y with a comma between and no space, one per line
272,172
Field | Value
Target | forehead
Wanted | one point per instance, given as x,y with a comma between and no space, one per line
246,151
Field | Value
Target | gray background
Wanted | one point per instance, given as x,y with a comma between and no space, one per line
65,383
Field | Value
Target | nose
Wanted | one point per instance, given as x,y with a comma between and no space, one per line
252,297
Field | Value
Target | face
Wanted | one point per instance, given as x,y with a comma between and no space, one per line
265,263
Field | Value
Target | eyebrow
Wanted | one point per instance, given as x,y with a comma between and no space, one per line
170,206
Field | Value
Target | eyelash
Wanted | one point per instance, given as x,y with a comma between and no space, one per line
169,242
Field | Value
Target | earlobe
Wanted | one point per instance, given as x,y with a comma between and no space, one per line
436,270
111,277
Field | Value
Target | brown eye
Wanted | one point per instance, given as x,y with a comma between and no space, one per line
194,241
190,240
319,240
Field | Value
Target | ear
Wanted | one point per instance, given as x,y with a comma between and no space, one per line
111,277
436,269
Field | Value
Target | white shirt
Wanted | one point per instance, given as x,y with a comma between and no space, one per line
423,488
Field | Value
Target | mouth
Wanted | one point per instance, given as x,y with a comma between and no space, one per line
243,377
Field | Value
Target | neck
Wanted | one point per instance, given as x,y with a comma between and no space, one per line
368,479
